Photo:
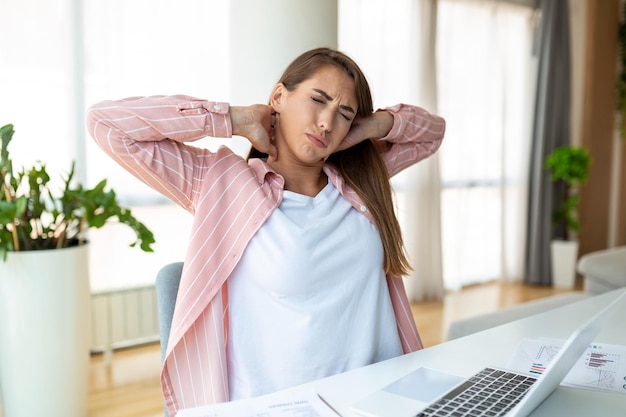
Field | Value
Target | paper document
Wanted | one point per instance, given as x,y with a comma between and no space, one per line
292,404
602,367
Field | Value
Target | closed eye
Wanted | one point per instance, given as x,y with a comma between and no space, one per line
322,100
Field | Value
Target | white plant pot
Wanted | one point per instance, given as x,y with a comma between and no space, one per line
44,333
564,255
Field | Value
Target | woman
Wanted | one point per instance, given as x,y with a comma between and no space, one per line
294,267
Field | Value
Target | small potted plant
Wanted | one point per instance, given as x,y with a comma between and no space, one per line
44,284
569,165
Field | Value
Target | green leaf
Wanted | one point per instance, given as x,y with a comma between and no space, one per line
40,219
570,164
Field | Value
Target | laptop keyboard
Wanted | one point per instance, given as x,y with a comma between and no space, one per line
490,392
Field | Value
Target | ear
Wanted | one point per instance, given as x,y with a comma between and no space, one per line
277,97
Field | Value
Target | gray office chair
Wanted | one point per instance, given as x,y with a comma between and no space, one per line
166,283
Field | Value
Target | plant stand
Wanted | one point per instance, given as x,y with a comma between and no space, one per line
563,257
44,333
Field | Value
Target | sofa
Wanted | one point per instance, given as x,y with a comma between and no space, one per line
603,270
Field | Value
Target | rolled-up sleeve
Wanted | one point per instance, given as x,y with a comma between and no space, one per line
180,118
147,136
416,134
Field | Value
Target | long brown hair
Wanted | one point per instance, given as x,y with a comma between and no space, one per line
361,165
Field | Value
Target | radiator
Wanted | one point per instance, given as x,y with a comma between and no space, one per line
123,318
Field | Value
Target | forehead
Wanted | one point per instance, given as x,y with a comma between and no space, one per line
333,81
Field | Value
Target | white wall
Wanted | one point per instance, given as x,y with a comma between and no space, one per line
265,36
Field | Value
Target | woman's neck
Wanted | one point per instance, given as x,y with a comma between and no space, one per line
305,180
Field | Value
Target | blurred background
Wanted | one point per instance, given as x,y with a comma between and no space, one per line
486,66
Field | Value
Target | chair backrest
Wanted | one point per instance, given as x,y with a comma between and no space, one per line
166,283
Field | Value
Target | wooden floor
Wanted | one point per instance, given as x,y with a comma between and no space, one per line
130,386
434,317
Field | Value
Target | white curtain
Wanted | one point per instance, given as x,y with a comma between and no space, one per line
59,56
37,72
484,83
394,43
470,61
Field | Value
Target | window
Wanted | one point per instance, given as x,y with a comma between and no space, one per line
484,82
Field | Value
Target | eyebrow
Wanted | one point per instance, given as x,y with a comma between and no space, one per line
327,97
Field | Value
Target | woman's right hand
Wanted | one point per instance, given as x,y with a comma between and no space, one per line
255,124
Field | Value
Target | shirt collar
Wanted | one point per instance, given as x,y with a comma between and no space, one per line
263,172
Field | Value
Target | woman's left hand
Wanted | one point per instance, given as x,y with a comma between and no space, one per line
376,126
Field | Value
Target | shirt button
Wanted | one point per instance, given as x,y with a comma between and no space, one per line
216,107
363,209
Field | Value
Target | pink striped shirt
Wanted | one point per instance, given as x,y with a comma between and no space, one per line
230,199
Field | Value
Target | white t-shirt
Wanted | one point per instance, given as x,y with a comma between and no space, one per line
309,298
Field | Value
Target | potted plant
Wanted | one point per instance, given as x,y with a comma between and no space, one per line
569,165
44,284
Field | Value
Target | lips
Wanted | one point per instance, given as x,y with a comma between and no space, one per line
317,140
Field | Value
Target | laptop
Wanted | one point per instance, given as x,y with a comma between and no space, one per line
491,391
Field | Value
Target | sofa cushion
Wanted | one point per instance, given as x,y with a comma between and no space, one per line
604,270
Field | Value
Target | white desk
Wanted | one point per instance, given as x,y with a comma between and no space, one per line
493,347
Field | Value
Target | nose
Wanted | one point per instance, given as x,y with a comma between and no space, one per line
325,121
